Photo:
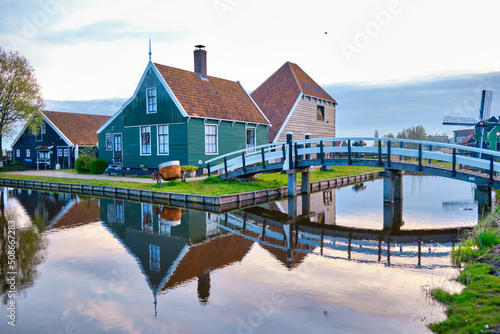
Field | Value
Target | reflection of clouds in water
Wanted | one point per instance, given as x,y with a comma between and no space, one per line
423,198
14,209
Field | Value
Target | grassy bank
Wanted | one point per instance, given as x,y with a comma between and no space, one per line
212,186
477,308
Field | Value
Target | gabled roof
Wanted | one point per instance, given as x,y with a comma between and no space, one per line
463,132
277,95
214,98
79,129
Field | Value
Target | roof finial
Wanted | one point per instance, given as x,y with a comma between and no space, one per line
149,48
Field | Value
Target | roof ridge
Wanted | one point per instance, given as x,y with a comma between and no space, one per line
193,72
295,76
73,113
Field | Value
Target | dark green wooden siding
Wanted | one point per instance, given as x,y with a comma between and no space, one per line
135,112
231,137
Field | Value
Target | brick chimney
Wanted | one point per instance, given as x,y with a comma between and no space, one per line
200,60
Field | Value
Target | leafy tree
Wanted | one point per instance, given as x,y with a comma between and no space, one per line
20,94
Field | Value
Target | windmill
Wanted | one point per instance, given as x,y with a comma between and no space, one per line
484,114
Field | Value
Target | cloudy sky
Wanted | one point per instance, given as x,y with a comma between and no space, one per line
97,49
390,64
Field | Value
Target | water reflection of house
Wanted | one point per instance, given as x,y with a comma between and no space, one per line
172,246
58,210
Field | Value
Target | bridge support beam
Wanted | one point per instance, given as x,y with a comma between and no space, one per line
306,181
393,185
483,198
292,183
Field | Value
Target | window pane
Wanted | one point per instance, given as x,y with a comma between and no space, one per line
145,140
320,113
163,139
210,139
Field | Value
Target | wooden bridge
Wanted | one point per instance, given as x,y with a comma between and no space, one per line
470,164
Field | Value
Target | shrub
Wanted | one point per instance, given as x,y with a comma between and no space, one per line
189,168
82,164
98,166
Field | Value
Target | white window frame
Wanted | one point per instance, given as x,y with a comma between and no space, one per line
216,139
28,153
59,152
109,142
43,128
18,153
159,142
251,149
65,152
140,140
154,102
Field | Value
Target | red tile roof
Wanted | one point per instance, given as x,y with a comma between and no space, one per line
213,98
277,95
80,129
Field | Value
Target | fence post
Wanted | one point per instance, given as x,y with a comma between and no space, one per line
430,150
349,158
263,158
296,155
208,167
322,154
389,153
308,145
290,149
225,165
454,163
243,161
400,146
491,169
379,152
419,156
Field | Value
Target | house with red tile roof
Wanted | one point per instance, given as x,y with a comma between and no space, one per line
294,102
62,136
175,114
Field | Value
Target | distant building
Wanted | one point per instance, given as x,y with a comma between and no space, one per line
176,114
294,102
59,139
460,135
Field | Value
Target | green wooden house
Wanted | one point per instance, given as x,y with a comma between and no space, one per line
176,114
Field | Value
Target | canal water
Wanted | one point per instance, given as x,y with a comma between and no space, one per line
334,262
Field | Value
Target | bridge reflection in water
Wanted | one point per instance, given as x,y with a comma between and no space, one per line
295,227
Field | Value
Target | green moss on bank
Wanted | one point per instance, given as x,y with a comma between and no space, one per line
477,308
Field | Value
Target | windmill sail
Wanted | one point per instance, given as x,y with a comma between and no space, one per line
484,111
455,120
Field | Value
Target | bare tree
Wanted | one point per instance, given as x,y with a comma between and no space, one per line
20,94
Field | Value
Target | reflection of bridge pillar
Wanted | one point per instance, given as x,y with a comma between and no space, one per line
393,185
393,215
306,205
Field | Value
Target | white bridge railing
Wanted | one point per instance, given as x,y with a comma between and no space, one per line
294,153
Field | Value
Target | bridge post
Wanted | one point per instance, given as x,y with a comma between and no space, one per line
483,196
292,173
308,136
306,181
393,185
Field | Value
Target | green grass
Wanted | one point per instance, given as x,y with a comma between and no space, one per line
212,186
279,179
477,308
